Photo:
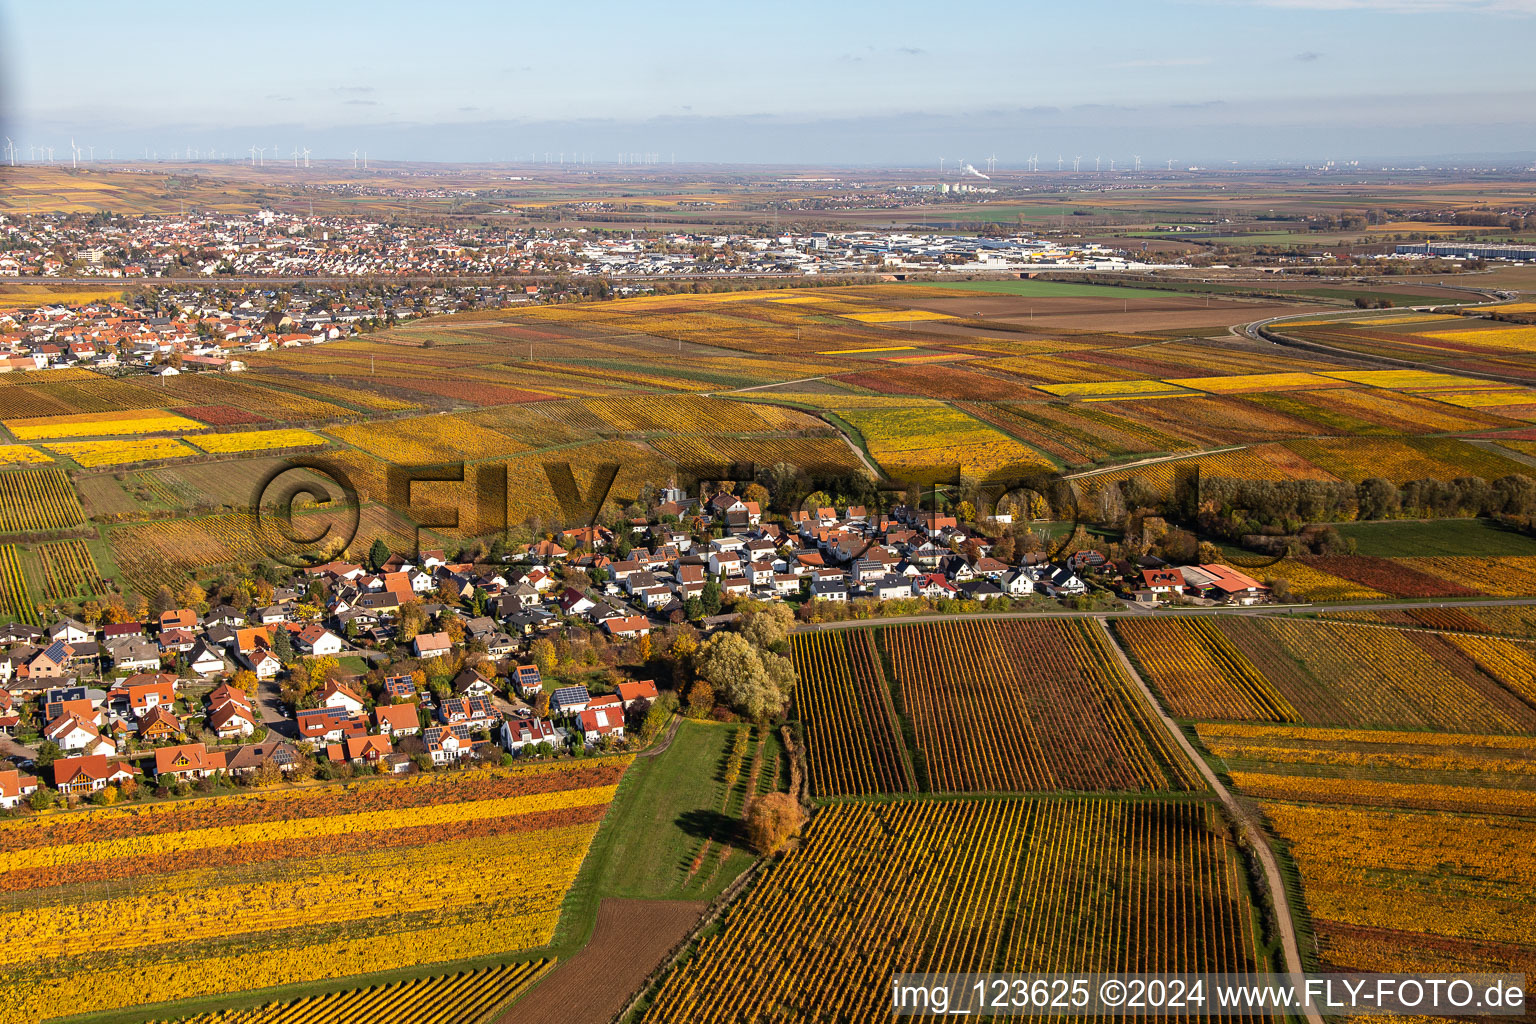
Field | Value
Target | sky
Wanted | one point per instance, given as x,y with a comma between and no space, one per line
892,83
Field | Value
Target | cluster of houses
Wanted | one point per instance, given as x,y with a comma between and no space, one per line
149,672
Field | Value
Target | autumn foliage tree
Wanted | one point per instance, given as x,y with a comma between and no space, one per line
771,819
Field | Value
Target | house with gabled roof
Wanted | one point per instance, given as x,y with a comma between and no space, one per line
253,757
328,724
448,743
159,726
396,719
71,732
360,749
432,645
523,730
188,761
336,695
231,720
529,681
643,689
15,786
600,722
88,773
569,700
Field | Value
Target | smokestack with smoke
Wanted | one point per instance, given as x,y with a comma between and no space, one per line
971,170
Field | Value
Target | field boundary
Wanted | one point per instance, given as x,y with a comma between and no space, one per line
1251,827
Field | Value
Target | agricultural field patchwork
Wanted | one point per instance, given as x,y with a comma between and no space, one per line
990,885
1009,706
206,897
1274,669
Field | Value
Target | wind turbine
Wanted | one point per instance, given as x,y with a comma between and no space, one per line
1170,164
74,154
941,167
354,159
93,153
306,158
253,156
365,159
11,148
1138,165
1058,162
261,156
1076,162
295,155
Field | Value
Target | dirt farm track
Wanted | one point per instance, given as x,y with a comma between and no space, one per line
591,987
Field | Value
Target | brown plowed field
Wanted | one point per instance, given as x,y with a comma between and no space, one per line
591,987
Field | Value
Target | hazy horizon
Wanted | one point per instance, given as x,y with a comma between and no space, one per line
901,84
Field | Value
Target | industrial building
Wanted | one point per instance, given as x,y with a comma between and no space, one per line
1469,251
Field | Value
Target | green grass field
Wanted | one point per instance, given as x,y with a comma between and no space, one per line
666,809
1470,537
1047,289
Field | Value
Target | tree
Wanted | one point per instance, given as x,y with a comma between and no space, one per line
766,624
771,819
412,618
756,493
755,683
1377,498
282,644
193,596
709,598
245,680
544,656
378,554
47,753
701,699
163,601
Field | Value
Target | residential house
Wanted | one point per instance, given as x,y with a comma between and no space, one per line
160,726
529,682
231,720
15,787
189,761
71,631
252,757
88,773
361,749
328,724
205,659
317,641
600,722
520,731
335,695
432,645
644,689
474,712
448,743
470,683
71,732
400,686
396,720
133,653
626,626
569,700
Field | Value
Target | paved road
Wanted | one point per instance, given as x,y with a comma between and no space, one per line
1262,609
1245,819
